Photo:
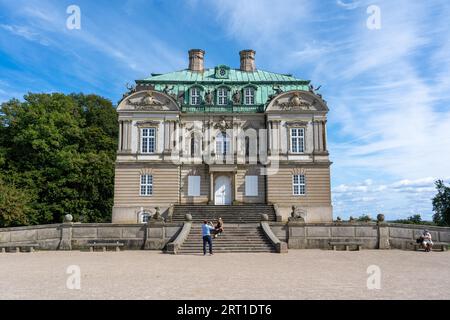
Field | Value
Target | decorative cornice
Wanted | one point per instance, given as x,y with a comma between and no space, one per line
147,123
297,123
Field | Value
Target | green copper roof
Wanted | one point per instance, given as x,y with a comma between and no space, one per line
234,75
266,84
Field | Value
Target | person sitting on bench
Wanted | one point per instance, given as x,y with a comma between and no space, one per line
426,241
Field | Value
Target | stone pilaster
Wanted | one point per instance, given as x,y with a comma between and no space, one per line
119,147
383,236
66,236
166,137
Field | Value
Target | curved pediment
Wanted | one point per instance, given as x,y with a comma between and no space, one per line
148,100
297,100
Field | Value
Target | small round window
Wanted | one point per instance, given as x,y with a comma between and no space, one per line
144,217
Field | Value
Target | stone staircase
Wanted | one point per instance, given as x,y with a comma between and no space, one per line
235,238
236,214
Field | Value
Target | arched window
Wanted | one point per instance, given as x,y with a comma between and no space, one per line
222,143
144,217
222,96
249,96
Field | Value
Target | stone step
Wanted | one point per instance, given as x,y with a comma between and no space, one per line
235,238
227,247
259,241
238,250
230,214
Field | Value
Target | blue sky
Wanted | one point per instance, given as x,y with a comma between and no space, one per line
388,89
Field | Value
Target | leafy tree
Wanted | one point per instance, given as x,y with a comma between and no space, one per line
364,218
441,204
13,206
60,149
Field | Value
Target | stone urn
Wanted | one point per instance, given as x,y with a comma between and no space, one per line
68,218
380,217
187,217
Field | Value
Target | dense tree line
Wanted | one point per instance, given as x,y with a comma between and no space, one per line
57,156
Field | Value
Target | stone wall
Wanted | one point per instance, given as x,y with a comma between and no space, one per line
156,235
67,236
401,234
373,235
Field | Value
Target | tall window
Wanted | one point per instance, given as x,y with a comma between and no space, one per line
247,146
222,144
249,96
195,96
222,96
146,185
298,184
193,186
297,140
148,140
251,186
196,144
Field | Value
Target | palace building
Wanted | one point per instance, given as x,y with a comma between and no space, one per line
225,137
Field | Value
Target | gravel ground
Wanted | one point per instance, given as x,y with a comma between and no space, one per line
300,274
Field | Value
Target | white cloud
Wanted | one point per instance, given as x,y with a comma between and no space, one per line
398,199
351,5
25,32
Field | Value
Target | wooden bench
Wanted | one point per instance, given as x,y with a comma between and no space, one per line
17,246
442,245
347,244
105,245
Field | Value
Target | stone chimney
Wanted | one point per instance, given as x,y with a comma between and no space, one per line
247,60
196,60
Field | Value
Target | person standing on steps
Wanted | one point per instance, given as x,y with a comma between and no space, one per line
206,233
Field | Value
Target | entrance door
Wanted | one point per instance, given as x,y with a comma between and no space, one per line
222,191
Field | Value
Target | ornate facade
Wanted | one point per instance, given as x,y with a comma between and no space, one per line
222,136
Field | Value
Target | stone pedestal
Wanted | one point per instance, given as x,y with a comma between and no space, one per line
154,236
66,236
383,236
297,235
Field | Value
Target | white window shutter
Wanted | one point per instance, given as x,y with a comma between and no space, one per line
251,186
193,186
